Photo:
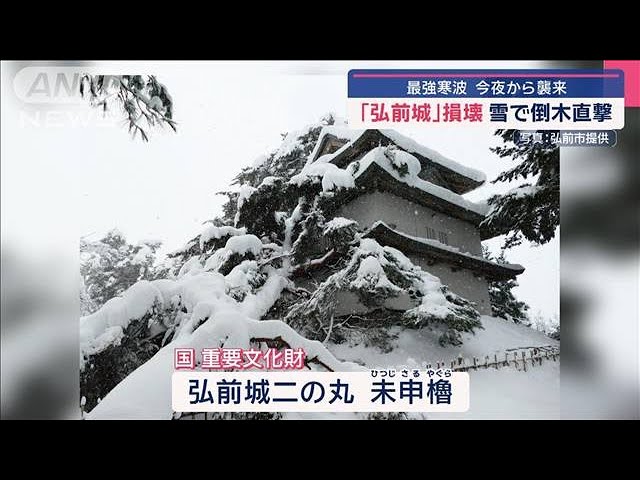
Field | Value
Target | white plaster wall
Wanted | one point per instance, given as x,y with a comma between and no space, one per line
411,219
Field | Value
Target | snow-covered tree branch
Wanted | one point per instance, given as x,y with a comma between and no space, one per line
144,102
531,210
277,268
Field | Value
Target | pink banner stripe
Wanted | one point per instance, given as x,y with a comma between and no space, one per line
631,69
478,75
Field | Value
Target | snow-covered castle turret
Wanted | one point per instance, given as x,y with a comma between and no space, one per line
409,197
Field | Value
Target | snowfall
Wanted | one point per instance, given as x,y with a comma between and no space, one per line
213,318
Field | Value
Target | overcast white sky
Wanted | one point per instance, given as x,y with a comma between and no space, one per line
66,172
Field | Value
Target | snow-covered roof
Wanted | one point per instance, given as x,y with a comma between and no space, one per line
391,161
462,179
392,169
412,146
340,132
426,246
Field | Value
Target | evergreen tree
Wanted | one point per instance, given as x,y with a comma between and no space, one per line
87,305
276,228
144,102
530,211
111,265
504,304
280,203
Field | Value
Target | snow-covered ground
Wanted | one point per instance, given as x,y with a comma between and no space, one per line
415,347
510,394
503,393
